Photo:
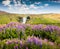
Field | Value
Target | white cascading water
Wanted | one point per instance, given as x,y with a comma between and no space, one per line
24,20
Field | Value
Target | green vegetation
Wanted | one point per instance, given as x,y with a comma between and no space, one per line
34,19
6,18
25,36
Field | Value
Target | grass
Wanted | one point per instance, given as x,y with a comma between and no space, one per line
34,19
6,18
44,19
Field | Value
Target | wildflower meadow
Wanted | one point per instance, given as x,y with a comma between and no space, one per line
15,35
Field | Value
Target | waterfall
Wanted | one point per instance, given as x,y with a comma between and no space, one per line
24,20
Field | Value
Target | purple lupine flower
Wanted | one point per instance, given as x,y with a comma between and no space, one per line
45,40
37,27
8,25
29,40
40,26
19,27
58,29
26,47
8,42
1,29
51,43
35,40
49,28
11,24
16,42
21,43
4,29
15,47
40,44
23,25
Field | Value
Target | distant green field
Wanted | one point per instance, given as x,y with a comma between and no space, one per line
6,18
34,19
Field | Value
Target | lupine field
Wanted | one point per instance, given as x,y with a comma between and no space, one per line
15,35
29,24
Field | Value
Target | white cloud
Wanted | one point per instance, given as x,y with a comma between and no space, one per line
6,2
41,7
24,7
9,7
56,1
32,6
46,5
15,1
37,2
19,3
18,7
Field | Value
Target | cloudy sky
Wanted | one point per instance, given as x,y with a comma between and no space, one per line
30,6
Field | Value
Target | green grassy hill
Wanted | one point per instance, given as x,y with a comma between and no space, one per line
34,18
45,18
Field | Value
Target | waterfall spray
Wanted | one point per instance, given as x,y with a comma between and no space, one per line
24,20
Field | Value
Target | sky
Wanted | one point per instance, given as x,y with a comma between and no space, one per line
30,6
